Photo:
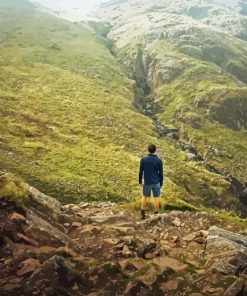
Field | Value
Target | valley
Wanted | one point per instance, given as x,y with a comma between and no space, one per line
80,102
68,106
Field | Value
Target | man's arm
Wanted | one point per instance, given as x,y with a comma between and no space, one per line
141,170
161,173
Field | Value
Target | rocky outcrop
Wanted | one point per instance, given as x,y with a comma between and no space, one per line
237,113
227,106
232,260
204,39
85,249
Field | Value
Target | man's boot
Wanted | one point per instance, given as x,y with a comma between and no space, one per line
143,214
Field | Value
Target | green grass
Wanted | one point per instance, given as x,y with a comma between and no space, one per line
204,102
14,189
199,97
228,218
68,124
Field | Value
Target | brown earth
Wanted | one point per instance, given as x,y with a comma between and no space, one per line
50,249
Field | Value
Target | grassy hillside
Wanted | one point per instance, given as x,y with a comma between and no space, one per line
68,121
208,105
197,79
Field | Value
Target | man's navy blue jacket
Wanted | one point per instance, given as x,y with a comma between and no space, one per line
152,167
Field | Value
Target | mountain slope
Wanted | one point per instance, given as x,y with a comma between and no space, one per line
191,71
71,123
67,110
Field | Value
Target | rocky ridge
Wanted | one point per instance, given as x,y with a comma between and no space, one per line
162,42
224,16
90,249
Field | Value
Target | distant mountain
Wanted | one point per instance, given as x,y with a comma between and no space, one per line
226,16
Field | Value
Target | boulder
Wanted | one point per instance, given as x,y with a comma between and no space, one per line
204,233
42,229
221,237
126,251
55,275
190,237
148,277
44,201
176,222
200,240
176,213
191,156
84,205
28,266
226,251
133,265
144,246
77,224
164,219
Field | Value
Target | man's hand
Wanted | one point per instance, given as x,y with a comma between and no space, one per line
141,184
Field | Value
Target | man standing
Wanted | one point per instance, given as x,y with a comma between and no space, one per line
152,167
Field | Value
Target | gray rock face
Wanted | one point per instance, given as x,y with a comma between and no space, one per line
164,71
43,200
236,110
169,44
227,251
200,30
223,237
182,16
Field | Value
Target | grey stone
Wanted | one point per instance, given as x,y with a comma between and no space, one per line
191,156
48,229
44,200
176,213
84,205
115,219
223,237
226,251
162,218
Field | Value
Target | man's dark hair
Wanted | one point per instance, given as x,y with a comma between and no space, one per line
151,148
